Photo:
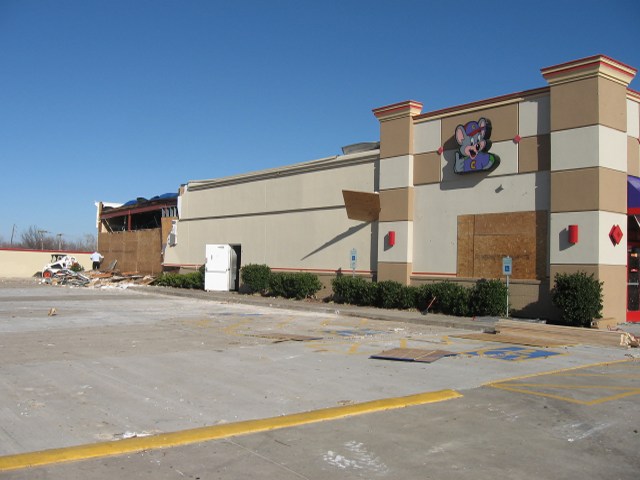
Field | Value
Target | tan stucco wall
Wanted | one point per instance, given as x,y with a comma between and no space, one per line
292,221
439,205
27,263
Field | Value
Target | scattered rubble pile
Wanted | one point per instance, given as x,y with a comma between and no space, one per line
63,270
99,279
66,276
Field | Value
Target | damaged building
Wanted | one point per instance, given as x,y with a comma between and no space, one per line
132,236
548,178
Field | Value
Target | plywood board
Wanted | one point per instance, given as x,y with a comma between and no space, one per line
515,339
285,337
413,355
363,206
137,250
465,245
483,240
559,333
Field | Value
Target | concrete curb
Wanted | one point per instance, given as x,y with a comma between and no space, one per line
405,316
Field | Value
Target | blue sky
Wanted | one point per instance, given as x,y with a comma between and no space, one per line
112,100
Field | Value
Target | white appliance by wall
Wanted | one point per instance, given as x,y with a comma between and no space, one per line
220,268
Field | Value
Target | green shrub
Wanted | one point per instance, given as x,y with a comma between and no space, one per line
424,296
393,294
488,298
408,297
579,298
450,298
389,293
193,280
294,285
255,278
354,290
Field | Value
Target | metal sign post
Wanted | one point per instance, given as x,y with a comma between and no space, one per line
507,268
354,261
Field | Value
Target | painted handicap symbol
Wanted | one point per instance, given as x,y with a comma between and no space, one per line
513,354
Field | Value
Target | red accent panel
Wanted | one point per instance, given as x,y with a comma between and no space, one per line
573,233
633,316
392,238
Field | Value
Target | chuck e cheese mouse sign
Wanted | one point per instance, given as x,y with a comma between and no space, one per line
473,153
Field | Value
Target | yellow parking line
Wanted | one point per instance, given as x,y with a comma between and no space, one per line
554,372
525,388
204,434
513,388
234,327
285,322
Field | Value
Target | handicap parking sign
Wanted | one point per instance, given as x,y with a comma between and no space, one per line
507,265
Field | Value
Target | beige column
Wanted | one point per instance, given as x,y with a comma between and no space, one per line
589,172
395,232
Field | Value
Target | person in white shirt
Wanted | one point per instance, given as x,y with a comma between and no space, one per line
96,258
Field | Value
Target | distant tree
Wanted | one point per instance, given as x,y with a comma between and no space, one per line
37,239
86,243
90,242
31,237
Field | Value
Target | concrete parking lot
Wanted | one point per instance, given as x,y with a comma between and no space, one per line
210,388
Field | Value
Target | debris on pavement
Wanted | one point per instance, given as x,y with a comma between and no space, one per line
413,355
65,276
285,337
628,340
119,279
557,333
96,279
528,340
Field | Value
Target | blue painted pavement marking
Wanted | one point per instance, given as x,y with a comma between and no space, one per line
513,354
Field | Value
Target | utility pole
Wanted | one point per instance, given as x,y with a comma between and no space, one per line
13,230
42,232
59,235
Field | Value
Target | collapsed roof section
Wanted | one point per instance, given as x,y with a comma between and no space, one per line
138,214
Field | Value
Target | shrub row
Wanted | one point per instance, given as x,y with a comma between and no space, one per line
193,280
260,279
486,298
578,296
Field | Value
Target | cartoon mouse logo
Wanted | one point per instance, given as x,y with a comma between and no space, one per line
473,154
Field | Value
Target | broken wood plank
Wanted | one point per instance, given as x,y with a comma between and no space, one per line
284,337
412,355
558,333
516,339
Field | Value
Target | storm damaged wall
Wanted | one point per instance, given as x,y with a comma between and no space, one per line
136,251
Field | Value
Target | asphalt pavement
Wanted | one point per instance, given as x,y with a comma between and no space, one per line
157,383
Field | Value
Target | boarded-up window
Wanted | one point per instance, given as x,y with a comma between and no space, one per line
484,239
